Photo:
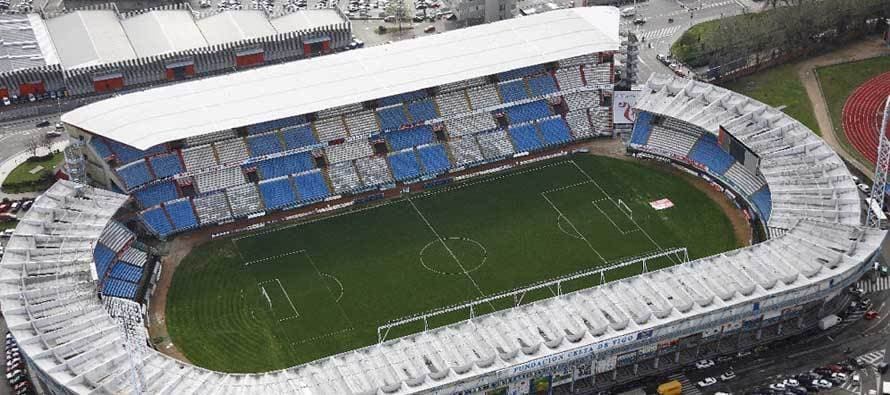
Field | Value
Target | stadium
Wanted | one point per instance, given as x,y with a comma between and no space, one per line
533,267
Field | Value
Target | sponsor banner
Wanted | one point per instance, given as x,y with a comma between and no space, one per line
606,365
661,204
668,344
623,103
732,327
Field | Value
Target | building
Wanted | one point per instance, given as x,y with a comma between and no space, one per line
483,11
100,50
785,176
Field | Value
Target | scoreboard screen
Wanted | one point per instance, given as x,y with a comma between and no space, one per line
738,150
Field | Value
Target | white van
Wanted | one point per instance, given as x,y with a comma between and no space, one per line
628,12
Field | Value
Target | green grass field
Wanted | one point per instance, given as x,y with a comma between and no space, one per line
838,82
284,296
779,86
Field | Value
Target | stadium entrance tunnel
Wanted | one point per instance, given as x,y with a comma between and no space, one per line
453,256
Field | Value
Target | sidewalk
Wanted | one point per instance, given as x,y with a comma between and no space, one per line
10,164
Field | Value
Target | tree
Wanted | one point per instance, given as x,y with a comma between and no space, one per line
397,9
36,142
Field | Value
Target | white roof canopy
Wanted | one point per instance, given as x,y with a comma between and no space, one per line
193,108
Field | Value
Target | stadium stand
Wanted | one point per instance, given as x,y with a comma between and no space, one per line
525,138
134,256
181,214
338,111
344,177
742,178
483,96
642,128
527,112
298,137
153,194
600,74
330,129
232,151
762,200
362,123
707,152
208,138
119,288
600,119
276,124
157,221
311,186
402,97
126,272
392,117
219,179
465,151
134,174
404,165
569,78
166,165
101,147
264,144
212,208
116,236
349,150
671,141
554,131
423,110
198,158
470,124
412,137
581,100
123,152
495,144
434,159
285,165
103,257
244,200
513,90
453,103
373,171
520,72
277,193
541,85
579,124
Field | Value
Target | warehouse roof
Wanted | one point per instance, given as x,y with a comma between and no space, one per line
163,31
301,20
193,108
236,25
20,43
88,38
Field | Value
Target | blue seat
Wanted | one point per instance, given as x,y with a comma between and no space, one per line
542,85
102,257
762,199
422,110
528,111
157,221
101,147
555,131
154,194
392,117
513,90
126,272
521,72
264,145
525,138
276,124
277,193
124,153
707,152
182,214
404,165
642,128
400,98
134,174
434,159
166,165
286,165
311,186
401,139
119,288
299,136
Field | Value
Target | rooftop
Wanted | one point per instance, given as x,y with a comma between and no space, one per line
193,108
163,31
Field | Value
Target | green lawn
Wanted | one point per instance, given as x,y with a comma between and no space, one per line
838,82
779,86
8,225
21,179
323,287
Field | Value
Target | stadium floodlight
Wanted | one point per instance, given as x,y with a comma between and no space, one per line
881,168
678,255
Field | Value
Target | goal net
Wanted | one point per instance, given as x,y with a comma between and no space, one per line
266,295
623,207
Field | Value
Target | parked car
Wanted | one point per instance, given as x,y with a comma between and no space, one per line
704,364
870,315
639,21
706,382
726,376
42,124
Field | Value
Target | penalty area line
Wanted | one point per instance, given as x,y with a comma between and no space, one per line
255,261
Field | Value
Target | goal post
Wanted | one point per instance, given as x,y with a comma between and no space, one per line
266,295
621,205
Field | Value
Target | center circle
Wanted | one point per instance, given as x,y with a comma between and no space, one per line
453,256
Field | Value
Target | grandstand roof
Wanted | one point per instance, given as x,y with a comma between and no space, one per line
193,108
236,25
88,38
163,31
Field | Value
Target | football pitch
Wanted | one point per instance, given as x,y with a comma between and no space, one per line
298,292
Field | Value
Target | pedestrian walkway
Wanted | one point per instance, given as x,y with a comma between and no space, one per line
688,387
661,33
873,358
878,284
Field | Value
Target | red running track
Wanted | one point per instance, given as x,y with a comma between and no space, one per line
862,115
